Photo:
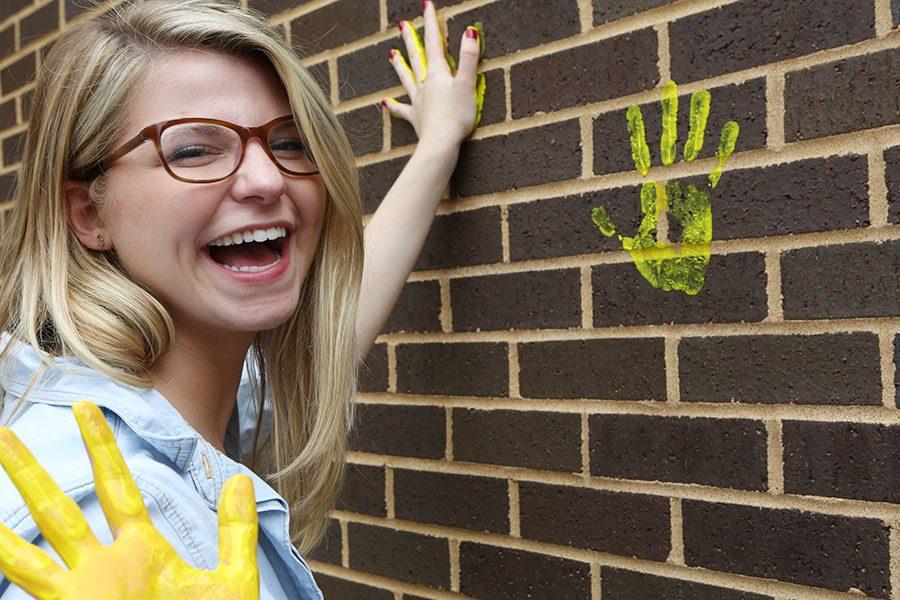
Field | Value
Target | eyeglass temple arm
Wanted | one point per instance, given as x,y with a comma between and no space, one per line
92,172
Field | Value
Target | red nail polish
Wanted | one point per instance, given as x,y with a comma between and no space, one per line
384,103
391,54
472,33
400,25
425,5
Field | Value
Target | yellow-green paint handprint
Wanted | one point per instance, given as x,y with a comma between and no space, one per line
140,563
681,266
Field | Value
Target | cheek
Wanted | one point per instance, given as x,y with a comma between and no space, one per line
309,199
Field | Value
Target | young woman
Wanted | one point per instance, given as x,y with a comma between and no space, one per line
186,251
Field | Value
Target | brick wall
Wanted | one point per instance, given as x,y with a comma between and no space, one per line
536,420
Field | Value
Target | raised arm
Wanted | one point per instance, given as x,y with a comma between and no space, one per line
443,113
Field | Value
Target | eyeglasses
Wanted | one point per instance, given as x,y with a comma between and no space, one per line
198,150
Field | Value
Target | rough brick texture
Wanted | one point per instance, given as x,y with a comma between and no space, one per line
400,555
478,503
618,584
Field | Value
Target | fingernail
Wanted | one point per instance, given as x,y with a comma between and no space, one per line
384,103
425,5
472,33
400,25
391,54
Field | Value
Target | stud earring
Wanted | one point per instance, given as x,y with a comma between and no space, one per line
101,241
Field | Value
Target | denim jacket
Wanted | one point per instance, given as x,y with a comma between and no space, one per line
180,475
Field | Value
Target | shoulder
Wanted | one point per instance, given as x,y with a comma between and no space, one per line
51,434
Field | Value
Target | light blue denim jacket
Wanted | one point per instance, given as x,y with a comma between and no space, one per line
180,475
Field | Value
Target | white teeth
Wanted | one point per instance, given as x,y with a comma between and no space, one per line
256,235
255,269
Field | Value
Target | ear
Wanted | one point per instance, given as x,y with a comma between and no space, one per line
82,215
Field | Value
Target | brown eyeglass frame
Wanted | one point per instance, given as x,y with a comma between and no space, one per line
154,132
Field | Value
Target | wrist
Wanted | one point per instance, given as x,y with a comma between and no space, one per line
439,151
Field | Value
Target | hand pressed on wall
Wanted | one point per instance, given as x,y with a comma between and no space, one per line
445,101
140,563
681,266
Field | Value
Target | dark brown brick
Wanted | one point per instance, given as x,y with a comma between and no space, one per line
492,572
17,74
7,42
895,12
798,197
618,584
519,159
464,369
789,545
744,103
727,453
373,372
493,110
459,239
533,439
368,70
363,129
13,148
75,7
7,114
336,24
610,10
399,10
39,23
528,300
417,309
515,25
273,7
363,491
897,370
609,68
320,73
734,290
625,524
478,503
376,179
846,95
892,180
563,226
755,32
341,589
417,431
26,105
10,7
402,555
329,548
844,460
775,369
603,368
7,185
848,280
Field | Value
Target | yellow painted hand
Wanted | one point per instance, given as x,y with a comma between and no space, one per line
140,563
682,266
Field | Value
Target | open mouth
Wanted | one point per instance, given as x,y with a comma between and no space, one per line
249,255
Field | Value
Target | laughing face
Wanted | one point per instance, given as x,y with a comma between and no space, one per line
161,228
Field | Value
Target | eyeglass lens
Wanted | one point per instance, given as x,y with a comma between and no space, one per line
202,151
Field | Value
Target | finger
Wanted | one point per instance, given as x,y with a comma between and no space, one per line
434,42
669,123
57,516
415,50
726,147
406,75
238,526
640,152
119,496
398,109
699,112
29,567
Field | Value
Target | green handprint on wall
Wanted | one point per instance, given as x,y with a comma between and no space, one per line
681,266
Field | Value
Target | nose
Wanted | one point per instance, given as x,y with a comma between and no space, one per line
258,175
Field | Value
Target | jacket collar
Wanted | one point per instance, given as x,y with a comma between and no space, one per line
145,411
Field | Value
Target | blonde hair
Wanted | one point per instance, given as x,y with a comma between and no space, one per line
65,299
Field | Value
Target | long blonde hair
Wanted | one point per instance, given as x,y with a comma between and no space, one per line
67,300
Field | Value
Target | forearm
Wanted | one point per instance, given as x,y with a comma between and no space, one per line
396,233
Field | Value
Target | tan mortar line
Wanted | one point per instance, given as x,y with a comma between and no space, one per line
586,127
446,305
386,128
790,64
333,80
888,368
686,491
595,581
673,379
587,298
775,456
515,522
379,581
448,432
345,544
507,88
586,15
392,367
763,245
662,569
382,15
878,193
664,60
775,109
715,410
504,233
454,563
514,371
676,554
884,22
585,447
773,286
389,493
